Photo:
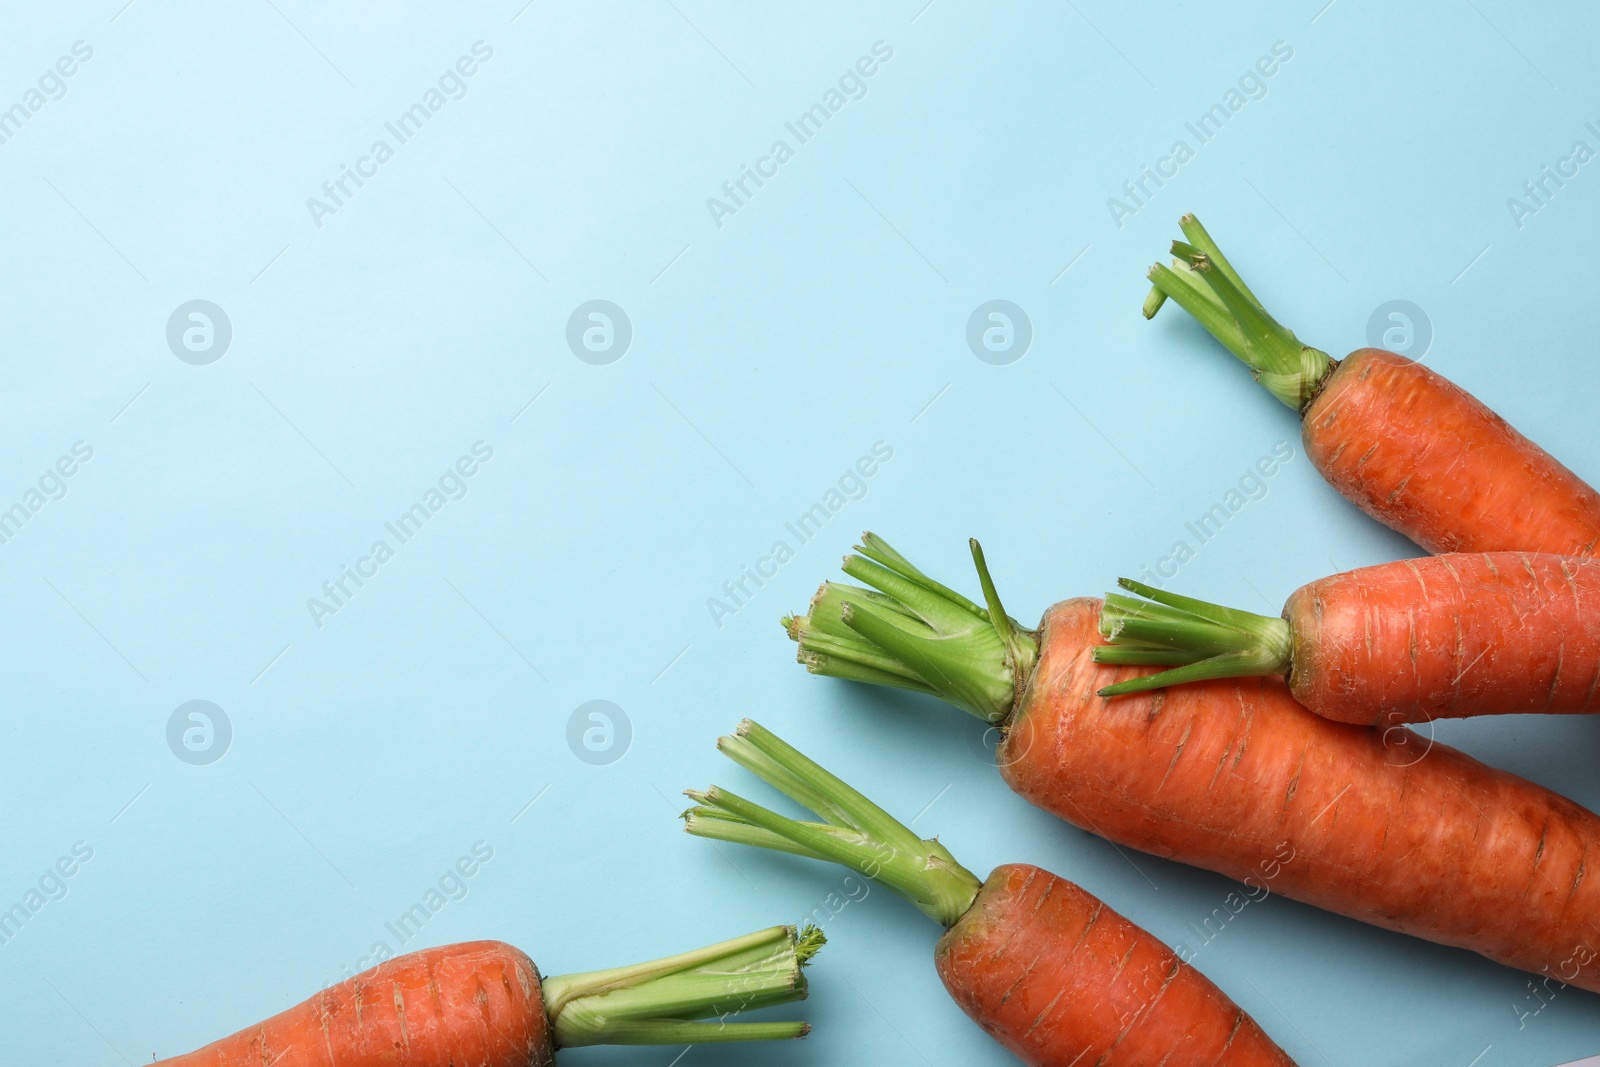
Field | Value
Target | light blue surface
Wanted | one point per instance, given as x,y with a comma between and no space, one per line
828,313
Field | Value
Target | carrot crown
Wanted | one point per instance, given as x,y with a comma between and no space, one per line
854,832
687,998
1199,640
1204,284
911,632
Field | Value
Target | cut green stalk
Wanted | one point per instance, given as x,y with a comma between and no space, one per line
854,832
1200,639
912,632
1204,283
1200,241
1136,655
687,998
1010,633
1153,302
1181,283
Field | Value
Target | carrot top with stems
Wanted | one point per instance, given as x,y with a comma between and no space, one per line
1198,639
1043,966
912,632
484,1003
1204,283
686,998
854,832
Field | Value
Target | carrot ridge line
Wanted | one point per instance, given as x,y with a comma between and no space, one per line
1198,639
902,628
687,998
853,832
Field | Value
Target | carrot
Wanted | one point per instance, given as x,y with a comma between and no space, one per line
1040,964
1441,637
478,1002
1233,775
483,1004
1400,441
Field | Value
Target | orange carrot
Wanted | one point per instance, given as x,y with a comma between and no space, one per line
482,1003
1234,775
1057,977
1441,637
475,1003
1423,456
1402,442
1040,964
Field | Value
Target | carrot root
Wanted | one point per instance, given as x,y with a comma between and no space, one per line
1038,963
1378,825
1424,457
1057,977
477,1002
1417,639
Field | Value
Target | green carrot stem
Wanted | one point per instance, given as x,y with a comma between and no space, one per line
854,832
687,998
1010,633
818,841
1179,282
946,666
1153,302
681,1032
878,549
843,667
913,632
858,651
1263,335
734,830
1200,240
1199,639
1214,293
1131,655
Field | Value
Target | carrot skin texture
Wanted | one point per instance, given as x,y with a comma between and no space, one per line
1423,456
1058,978
1448,636
1237,777
477,1003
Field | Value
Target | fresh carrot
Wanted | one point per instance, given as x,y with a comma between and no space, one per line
483,1004
1403,443
1441,637
1040,964
1233,774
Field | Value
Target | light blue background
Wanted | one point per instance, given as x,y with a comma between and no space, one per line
768,354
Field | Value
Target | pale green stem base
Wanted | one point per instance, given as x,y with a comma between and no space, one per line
912,632
687,998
